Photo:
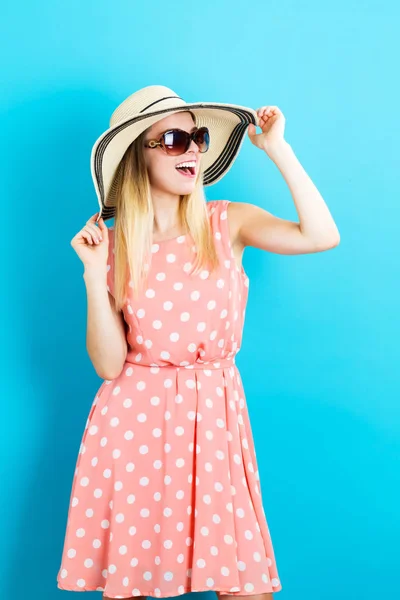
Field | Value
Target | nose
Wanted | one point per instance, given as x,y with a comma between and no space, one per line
193,147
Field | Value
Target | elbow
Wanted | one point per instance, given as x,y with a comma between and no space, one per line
327,244
335,241
109,373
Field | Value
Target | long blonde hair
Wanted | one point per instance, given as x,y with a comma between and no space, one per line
133,228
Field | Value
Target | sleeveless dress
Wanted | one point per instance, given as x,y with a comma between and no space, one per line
165,496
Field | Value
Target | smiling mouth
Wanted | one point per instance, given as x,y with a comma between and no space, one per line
186,171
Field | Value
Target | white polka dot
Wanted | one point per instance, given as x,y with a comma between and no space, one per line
216,518
228,539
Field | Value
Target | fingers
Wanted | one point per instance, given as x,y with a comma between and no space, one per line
90,232
264,112
93,218
93,232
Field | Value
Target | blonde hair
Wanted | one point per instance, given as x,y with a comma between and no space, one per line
133,228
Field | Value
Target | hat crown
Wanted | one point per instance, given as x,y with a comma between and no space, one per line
148,99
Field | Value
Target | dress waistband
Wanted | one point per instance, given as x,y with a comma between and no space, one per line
220,363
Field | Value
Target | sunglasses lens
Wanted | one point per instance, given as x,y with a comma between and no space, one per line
175,142
202,139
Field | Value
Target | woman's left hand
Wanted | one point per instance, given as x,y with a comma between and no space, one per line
272,123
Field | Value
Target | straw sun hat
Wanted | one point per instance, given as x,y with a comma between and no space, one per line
227,124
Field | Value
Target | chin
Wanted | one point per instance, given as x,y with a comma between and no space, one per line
183,190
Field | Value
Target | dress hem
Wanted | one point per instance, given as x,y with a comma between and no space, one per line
186,591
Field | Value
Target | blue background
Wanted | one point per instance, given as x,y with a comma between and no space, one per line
320,358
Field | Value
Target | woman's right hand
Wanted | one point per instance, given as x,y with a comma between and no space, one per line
87,243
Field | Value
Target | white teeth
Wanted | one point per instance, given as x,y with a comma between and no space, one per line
187,164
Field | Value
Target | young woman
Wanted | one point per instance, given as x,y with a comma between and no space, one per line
166,495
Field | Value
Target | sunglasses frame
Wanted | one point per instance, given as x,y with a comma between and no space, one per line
160,141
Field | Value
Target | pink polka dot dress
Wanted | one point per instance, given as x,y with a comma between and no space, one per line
165,496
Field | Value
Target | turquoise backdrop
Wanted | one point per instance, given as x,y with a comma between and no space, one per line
320,356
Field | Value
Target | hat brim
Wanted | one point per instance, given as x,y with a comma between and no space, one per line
227,124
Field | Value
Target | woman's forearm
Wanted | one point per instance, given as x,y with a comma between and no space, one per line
316,221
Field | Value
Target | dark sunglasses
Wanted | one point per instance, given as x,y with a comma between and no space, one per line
177,141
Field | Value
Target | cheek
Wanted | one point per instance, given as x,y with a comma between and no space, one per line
160,170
